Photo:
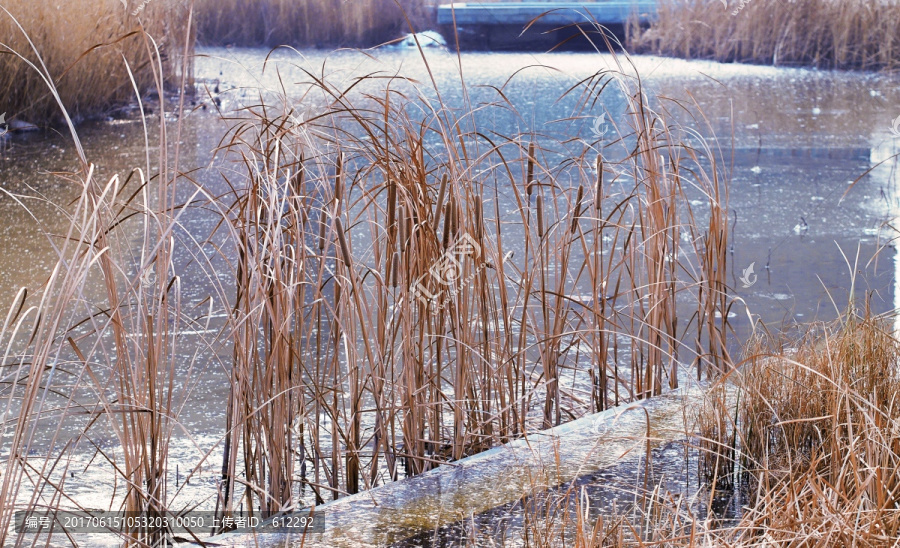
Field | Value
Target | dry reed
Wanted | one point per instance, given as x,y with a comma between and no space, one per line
79,363
415,336
847,34
819,437
307,22
385,317
807,439
81,47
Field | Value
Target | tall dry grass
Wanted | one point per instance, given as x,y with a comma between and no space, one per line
391,316
820,438
82,44
388,314
846,34
95,352
309,22
808,439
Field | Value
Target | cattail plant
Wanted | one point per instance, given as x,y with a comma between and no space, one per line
121,367
427,322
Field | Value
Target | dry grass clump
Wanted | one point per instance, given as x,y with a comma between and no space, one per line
307,22
820,432
96,353
81,44
849,34
811,438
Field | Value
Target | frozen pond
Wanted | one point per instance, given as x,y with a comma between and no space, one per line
809,154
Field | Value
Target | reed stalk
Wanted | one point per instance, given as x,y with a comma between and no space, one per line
85,61
440,344
845,34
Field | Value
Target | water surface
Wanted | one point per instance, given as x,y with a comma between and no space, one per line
808,200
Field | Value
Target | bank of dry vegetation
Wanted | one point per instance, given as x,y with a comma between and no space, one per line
808,439
842,34
83,42
84,46
360,23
